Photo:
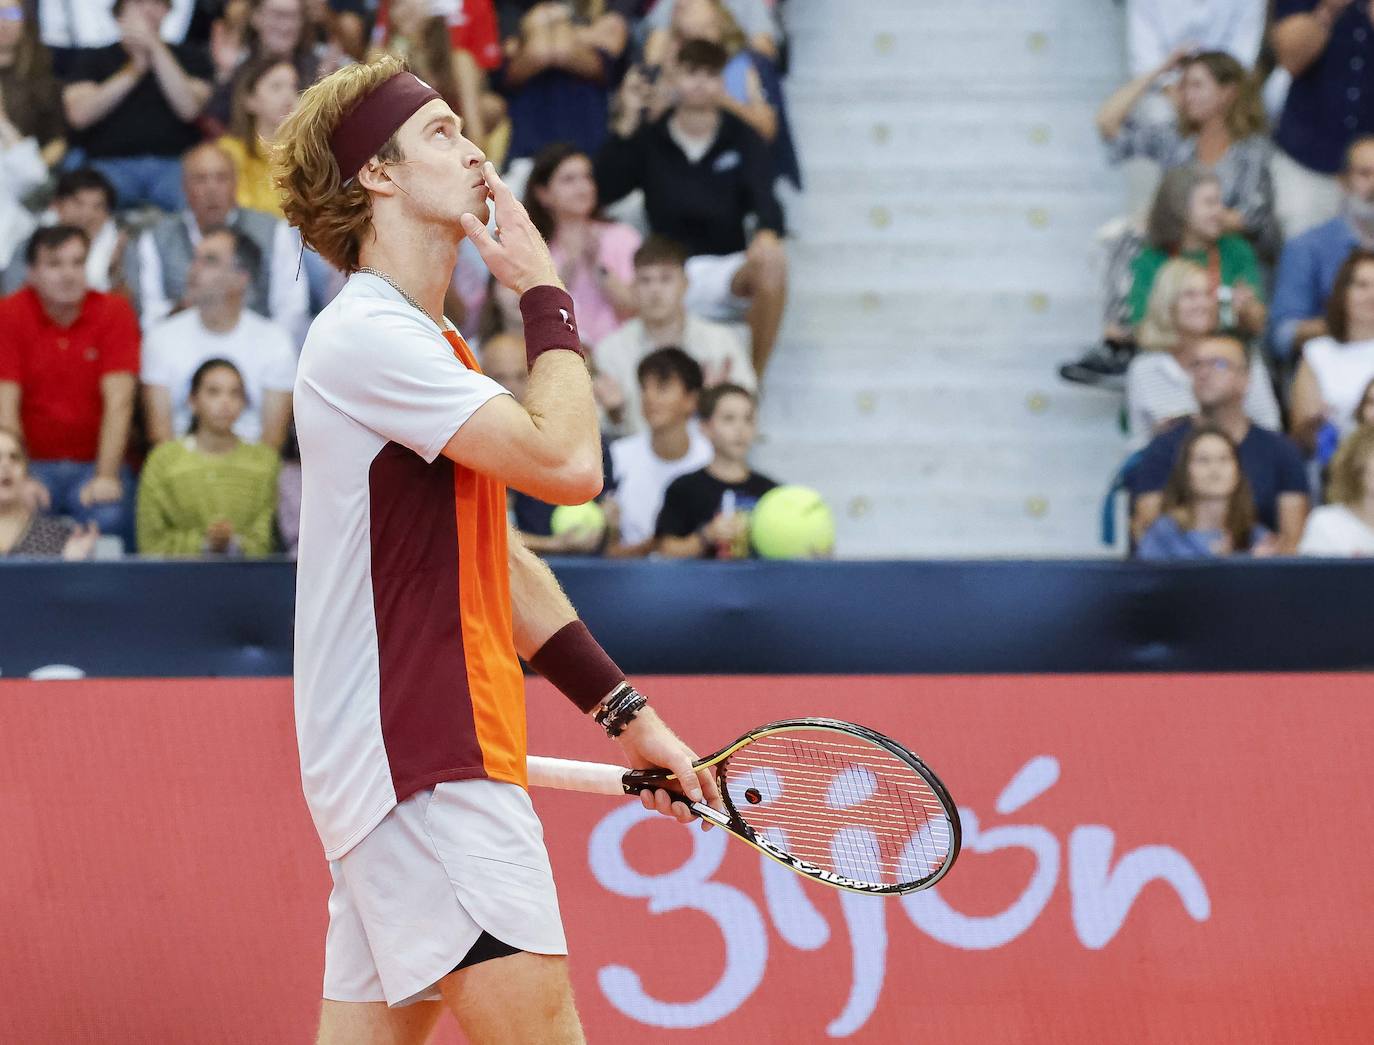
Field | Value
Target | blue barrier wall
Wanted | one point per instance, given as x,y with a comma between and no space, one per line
196,619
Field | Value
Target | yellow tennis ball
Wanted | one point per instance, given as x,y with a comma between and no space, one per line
792,522
587,516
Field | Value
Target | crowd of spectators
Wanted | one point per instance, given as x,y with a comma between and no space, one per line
155,299
1239,311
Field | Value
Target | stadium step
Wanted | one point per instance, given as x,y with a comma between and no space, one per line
943,263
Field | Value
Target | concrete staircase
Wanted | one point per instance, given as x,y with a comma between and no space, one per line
942,266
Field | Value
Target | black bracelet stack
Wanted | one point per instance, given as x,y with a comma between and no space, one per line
619,709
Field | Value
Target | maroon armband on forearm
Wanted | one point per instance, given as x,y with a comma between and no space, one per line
577,666
549,322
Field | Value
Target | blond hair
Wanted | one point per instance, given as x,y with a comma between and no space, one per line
1159,330
1246,117
1346,485
333,218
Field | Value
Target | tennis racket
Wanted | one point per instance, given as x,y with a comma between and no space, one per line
834,801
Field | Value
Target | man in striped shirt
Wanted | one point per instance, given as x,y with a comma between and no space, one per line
412,604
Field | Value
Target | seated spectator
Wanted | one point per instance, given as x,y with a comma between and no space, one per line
85,199
705,514
1187,221
660,290
159,265
1344,526
1272,465
68,360
1325,46
260,29
209,493
416,33
703,173
1159,384
642,466
1307,269
1221,127
1157,28
24,532
30,123
217,325
1208,510
595,257
560,63
267,93
503,360
1336,368
753,86
132,106
754,19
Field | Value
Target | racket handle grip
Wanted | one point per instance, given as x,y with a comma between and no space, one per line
565,774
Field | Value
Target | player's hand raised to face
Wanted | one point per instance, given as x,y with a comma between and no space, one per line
517,255
649,744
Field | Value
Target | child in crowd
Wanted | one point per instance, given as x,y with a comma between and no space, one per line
1209,511
643,465
209,493
705,514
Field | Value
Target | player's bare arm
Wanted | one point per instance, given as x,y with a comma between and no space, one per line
547,632
549,446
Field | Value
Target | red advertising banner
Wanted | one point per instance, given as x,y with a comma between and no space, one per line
1146,859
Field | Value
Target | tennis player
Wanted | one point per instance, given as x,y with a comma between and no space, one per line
412,600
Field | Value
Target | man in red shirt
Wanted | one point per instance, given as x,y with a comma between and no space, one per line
68,360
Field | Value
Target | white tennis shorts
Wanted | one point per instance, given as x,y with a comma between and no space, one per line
708,287
411,898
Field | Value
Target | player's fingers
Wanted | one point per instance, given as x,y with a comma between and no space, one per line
505,200
646,799
683,813
710,787
663,803
681,767
477,232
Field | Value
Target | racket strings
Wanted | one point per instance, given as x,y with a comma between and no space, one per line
846,805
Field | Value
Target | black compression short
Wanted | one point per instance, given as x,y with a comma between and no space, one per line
485,949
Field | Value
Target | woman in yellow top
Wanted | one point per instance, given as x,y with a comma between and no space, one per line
267,92
209,493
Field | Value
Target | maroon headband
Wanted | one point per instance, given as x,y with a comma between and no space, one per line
369,124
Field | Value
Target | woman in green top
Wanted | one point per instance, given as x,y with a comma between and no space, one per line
1186,221
209,493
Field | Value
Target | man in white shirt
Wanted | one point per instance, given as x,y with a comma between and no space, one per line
660,289
413,606
217,325
159,267
84,199
643,465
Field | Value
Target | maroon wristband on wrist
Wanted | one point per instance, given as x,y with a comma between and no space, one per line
577,666
549,322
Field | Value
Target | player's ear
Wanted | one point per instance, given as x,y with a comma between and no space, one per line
374,178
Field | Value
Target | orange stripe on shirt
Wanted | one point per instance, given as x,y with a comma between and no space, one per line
495,683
